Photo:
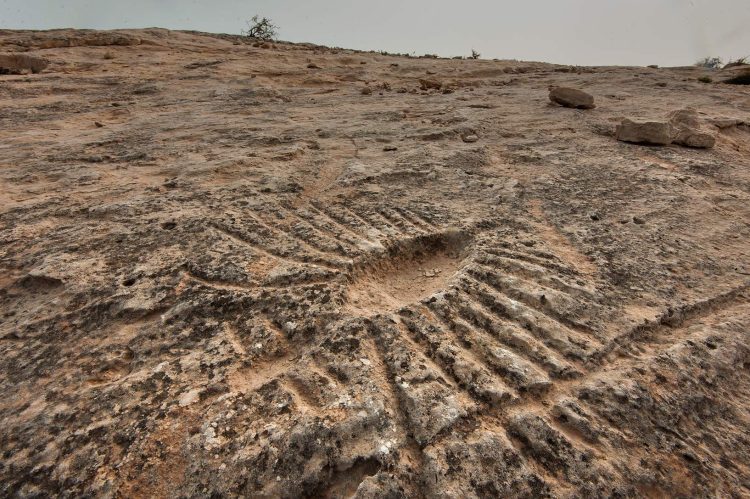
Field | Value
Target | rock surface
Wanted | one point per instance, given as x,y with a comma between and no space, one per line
722,123
687,129
739,78
429,84
21,63
254,281
683,127
646,132
572,97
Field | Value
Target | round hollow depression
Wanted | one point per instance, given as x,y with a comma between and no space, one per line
412,270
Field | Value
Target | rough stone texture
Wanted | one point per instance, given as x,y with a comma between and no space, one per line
59,38
231,289
738,77
645,132
572,97
683,127
429,84
694,138
687,129
21,63
722,123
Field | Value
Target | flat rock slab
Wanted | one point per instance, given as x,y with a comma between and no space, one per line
572,97
722,123
683,127
644,132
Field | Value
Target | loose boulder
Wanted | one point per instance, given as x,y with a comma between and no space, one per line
683,127
644,132
572,97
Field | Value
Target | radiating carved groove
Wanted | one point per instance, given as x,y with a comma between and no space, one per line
330,233
538,302
349,217
305,240
394,218
383,225
506,333
530,271
552,333
343,226
416,219
465,369
675,318
480,348
324,226
270,252
419,385
515,255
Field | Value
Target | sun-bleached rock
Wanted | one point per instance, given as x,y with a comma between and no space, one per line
722,123
572,97
687,129
644,132
683,127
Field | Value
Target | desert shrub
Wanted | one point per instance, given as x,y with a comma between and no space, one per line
710,62
475,54
261,28
741,61
705,79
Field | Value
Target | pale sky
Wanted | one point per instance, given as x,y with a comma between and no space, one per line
586,32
